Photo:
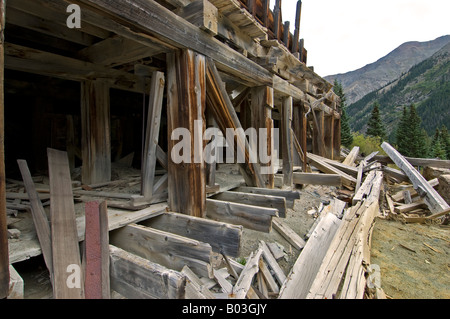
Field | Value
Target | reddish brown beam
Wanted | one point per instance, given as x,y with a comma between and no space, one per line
96,282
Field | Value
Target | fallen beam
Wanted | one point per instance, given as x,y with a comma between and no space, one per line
431,197
317,179
167,249
291,236
223,238
290,196
317,161
251,217
135,277
269,201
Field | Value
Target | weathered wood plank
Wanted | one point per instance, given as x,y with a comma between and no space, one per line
251,217
270,201
272,263
223,238
315,160
152,133
167,249
307,265
95,141
245,278
287,141
40,219
290,196
291,236
64,235
317,179
431,197
135,277
351,157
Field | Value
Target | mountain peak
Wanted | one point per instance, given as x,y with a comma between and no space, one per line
375,75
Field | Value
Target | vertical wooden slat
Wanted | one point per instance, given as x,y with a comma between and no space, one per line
96,139
265,17
261,117
152,133
186,104
337,139
97,251
298,14
287,141
65,249
286,33
4,252
276,19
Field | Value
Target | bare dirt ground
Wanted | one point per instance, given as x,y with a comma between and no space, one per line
413,258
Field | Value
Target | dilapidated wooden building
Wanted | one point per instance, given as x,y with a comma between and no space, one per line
132,71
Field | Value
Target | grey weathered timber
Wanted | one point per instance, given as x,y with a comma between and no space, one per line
290,196
292,237
317,161
246,277
251,217
307,265
40,219
167,249
277,202
135,277
287,141
432,162
431,197
351,157
152,133
223,238
95,141
317,179
64,234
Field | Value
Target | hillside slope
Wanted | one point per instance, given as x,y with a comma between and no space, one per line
373,76
426,84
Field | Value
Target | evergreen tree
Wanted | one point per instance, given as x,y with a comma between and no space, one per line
346,134
416,139
445,138
375,125
437,146
401,134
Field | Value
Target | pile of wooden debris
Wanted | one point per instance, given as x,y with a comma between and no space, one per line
153,253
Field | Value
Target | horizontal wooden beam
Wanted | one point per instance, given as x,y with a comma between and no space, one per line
290,196
167,249
277,202
35,61
223,237
327,168
153,18
135,277
251,217
317,179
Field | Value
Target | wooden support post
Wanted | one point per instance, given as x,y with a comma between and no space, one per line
276,19
287,141
4,252
261,110
328,136
337,139
65,249
318,133
152,133
298,14
96,138
286,33
265,17
185,109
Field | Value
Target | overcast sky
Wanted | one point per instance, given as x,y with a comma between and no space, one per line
344,35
